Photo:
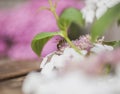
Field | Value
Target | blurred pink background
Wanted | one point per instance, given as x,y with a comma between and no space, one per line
20,23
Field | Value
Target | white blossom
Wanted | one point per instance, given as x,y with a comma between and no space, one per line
71,83
49,81
98,48
96,8
58,61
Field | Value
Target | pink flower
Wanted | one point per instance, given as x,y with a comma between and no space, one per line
83,43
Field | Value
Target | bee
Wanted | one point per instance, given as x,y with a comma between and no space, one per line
60,43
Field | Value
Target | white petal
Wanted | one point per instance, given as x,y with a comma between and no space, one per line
59,61
100,4
44,61
100,11
112,3
90,16
98,48
47,70
110,48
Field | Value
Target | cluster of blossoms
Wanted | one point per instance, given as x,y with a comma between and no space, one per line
83,43
71,72
69,55
74,73
20,24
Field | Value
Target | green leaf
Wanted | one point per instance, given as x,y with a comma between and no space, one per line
111,43
68,16
119,22
115,44
40,40
100,26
